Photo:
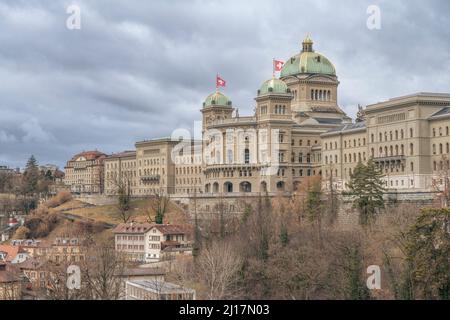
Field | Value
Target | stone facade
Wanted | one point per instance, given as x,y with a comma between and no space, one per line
84,173
297,130
408,137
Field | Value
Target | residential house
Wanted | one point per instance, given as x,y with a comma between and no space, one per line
145,242
131,274
163,241
130,240
13,254
66,250
10,284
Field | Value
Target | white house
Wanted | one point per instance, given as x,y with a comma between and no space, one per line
145,242
13,254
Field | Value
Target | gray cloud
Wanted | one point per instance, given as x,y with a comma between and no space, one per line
139,69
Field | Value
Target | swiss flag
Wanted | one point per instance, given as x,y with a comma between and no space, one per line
220,82
277,65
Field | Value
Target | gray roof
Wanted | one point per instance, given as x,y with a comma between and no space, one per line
159,286
328,120
348,127
143,272
443,112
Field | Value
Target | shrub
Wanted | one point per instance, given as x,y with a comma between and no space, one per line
21,233
61,198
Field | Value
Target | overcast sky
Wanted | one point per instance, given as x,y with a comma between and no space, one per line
139,69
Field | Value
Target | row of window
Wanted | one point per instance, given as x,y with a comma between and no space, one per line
188,170
300,142
356,143
130,247
130,238
441,148
187,180
391,135
440,131
320,95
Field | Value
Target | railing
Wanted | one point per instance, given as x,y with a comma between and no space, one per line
390,158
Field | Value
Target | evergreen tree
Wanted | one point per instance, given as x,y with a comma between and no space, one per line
427,273
367,186
48,175
124,200
31,177
354,286
314,207
313,202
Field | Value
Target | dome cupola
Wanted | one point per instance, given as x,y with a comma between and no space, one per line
273,86
217,99
308,62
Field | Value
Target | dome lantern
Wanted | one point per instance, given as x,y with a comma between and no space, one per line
308,62
307,44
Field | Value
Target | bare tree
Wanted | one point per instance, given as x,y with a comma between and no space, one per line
102,270
218,266
442,183
159,205
122,185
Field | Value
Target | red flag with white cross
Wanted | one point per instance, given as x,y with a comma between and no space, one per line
220,82
277,65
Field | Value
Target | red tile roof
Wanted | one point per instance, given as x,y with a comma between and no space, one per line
89,155
136,227
170,228
133,227
11,251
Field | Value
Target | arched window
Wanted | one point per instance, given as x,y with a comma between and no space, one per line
280,186
245,187
228,187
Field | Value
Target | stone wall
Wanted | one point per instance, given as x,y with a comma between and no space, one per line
97,200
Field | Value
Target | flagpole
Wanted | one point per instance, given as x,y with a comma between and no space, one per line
273,67
217,86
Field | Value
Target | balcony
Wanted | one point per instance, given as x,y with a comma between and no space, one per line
150,178
390,159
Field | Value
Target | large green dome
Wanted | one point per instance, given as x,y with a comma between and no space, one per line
217,99
273,86
308,62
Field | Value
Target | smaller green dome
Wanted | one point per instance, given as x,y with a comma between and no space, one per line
273,86
217,99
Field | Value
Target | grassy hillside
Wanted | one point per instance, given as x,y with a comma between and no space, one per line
140,211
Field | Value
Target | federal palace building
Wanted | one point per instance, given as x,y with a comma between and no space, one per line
297,130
